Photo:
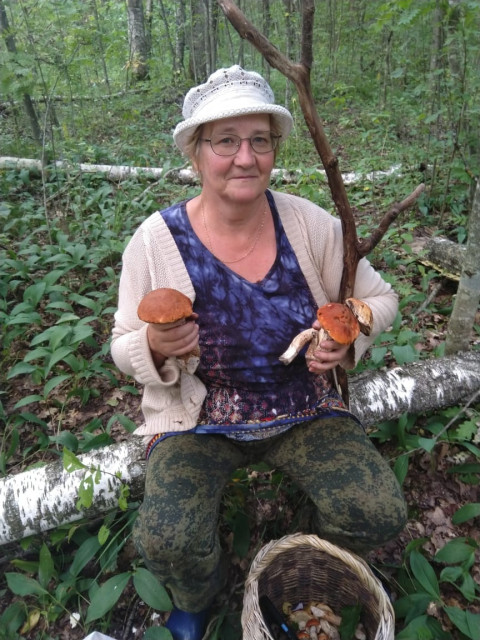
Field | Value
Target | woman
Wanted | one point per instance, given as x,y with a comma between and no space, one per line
256,264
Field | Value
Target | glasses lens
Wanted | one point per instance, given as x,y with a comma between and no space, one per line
225,145
263,142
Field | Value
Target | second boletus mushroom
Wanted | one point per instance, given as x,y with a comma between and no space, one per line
339,322
170,307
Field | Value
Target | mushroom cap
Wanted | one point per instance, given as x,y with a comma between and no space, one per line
363,314
163,306
339,322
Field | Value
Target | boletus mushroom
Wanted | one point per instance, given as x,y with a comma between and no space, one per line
170,307
340,322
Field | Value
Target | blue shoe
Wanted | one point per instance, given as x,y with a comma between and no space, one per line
184,625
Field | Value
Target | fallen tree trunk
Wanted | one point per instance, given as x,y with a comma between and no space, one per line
45,498
444,256
183,175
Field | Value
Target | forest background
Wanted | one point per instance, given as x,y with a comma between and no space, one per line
101,82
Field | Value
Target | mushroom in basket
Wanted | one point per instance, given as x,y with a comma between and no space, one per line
339,322
170,307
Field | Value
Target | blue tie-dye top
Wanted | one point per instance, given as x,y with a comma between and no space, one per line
244,328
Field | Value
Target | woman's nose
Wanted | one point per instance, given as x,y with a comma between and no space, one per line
245,153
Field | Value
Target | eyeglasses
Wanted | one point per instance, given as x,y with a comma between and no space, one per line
227,144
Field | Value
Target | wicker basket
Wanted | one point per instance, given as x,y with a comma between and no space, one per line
300,568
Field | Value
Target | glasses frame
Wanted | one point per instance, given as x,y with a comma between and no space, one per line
274,138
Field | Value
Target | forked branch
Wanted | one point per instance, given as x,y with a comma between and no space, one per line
299,75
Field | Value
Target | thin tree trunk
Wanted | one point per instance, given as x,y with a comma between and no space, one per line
137,40
461,321
27,101
99,39
45,498
167,31
180,19
198,53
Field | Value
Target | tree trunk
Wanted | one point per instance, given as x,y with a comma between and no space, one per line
198,54
137,40
184,176
445,256
180,18
465,307
99,39
12,48
173,52
44,498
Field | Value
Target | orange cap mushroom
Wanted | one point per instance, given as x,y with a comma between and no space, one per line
169,306
338,322
164,306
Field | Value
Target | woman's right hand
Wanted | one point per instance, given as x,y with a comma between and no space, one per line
169,340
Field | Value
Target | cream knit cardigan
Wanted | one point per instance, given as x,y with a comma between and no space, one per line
172,399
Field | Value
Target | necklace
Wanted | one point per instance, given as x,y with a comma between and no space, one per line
258,233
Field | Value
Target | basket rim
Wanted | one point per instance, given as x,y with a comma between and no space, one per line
269,552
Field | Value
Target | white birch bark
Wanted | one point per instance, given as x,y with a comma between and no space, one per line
183,175
42,499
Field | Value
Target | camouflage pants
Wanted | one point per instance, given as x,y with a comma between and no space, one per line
359,504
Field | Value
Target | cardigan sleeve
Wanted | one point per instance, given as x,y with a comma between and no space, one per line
172,399
317,239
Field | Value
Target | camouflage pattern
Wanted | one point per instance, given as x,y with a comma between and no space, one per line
359,504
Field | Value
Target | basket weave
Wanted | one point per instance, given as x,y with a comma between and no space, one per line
300,568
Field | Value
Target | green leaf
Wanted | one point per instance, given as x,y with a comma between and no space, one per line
12,619
467,622
103,534
34,293
58,355
107,596
46,568
85,493
28,400
467,512
20,369
423,628
85,553
151,591
412,606
350,618
66,439
55,382
424,573
404,354
157,633
82,332
71,462
400,468
456,551
126,423
23,586
427,443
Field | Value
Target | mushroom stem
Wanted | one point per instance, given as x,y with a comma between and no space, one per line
297,345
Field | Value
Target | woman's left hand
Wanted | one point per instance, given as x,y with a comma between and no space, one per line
327,355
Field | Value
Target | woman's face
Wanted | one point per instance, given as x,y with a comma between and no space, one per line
244,176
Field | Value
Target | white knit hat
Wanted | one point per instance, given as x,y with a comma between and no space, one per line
226,94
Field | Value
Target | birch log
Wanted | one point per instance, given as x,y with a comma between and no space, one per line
41,499
181,175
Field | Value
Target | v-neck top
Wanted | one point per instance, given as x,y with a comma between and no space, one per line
244,328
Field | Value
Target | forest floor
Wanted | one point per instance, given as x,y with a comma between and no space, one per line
432,492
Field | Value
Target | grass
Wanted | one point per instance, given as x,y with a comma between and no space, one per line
61,243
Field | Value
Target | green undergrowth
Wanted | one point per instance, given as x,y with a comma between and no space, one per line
61,241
